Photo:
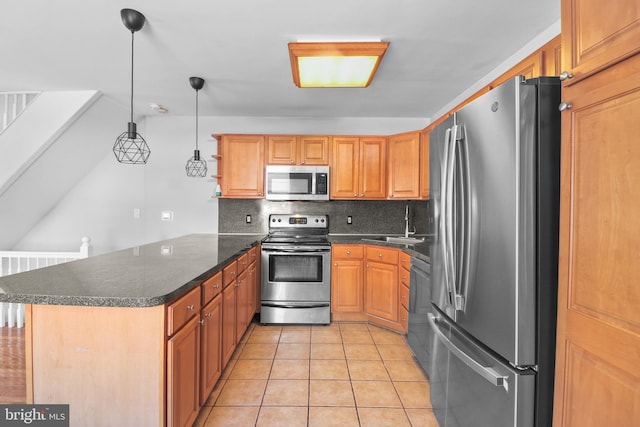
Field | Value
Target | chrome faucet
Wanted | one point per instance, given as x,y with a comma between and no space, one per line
406,223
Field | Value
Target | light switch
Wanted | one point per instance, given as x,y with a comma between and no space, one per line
166,215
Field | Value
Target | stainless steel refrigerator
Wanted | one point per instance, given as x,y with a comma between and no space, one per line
494,180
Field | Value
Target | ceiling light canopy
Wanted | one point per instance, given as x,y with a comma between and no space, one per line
335,64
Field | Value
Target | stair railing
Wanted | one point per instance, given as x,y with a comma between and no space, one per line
13,104
12,262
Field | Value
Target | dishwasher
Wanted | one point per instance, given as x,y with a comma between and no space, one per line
429,352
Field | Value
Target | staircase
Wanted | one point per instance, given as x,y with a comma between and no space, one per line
13,104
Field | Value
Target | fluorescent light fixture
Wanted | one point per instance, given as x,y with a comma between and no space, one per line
335,64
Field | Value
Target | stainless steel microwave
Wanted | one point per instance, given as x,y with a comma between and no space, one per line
296,182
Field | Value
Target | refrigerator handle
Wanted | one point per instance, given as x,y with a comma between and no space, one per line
464,258
449,212
444,216
486,372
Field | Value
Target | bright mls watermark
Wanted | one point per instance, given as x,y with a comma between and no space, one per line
34,415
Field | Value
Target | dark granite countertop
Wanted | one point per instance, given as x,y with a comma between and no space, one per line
419,250
144,276
148,275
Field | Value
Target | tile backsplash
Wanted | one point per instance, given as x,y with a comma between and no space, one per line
368,216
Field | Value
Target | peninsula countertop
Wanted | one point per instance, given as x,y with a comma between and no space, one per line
144,276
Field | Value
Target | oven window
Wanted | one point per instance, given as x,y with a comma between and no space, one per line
295,268
289,183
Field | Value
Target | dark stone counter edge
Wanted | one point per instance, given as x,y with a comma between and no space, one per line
419,251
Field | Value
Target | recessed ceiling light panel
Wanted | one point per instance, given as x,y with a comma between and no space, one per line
335,64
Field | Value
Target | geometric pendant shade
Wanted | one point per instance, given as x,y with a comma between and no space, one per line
196,167
130,147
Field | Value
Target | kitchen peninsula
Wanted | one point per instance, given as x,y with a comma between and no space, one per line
100,331
96,329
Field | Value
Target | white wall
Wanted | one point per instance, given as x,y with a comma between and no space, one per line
101,205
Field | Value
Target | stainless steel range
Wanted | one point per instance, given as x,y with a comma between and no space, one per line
296,270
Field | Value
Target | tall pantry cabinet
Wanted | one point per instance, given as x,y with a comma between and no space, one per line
598,343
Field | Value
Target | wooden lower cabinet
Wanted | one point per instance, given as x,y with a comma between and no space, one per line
381,283
183,372
228,322
210,347
347,282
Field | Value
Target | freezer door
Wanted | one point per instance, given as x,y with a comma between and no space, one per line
493,241
481,389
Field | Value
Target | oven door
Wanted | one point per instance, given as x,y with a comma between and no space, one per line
296,275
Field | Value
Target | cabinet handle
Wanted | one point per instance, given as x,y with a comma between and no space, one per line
362,195
348,252
302,163
191,307
390,195
335,264
207,315
379,255
403,296
355,195
565,75
564,106
216,286
201,321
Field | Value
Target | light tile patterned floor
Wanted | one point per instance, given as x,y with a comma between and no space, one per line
344,374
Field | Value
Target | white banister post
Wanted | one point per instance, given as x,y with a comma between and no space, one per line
85,247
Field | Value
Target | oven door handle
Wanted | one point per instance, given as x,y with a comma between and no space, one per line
319,305
296,251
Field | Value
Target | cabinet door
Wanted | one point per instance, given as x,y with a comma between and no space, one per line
211,347
228,323
529,67
345,168
347,286
597,377
242,159
373,160
404,166
552,57
242,304
253,285
595,35
424,165
183,373
282,150
314,150
381,290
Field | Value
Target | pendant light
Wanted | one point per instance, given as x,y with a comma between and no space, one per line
196,167
130,147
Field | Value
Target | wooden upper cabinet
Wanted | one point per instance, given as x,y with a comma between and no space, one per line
282,150
373,180
297,150
424,163
314,150
403,177
552,57
596,35
241,165
358,166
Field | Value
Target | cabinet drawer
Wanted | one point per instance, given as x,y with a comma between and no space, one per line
243,262
211,287
229,273
404,297
379,254
405,261
404,277
347,251
253,254
182,310
404,318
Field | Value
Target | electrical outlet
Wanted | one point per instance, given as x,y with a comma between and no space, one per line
349,220
247,219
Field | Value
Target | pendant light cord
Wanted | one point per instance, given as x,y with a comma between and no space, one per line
196,119
132,76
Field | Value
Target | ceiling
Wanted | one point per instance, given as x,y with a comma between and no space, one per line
438,48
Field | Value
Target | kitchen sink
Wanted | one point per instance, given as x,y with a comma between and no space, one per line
397,239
